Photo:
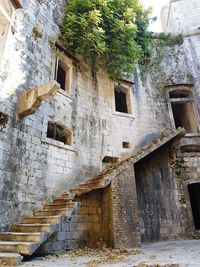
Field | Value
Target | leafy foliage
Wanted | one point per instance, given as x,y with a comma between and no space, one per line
112,31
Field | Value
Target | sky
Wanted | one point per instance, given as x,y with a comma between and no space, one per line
157,6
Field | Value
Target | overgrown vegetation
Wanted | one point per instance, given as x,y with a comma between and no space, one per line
152,65
113,32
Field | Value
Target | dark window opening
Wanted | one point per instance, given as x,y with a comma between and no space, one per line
58,133
125,144
184,116
121,101
194,193
108,159
180,94
109,162
61,77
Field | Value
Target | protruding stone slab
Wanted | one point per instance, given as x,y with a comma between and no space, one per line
25,248
42,220
30,100
10,259
23,237
35,228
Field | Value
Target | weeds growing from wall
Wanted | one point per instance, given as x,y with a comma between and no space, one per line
152,65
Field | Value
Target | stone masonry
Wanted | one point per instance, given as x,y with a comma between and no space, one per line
34,169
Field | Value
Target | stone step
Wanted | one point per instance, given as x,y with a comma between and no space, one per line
98,184
35,228
51,212
65,195
23,237
42,220
62,200
24,248
60,206
10,259
96,179
83,186
79,191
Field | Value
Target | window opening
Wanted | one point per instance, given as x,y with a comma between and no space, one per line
61,76
194,193
109,162
184,116
126,144
180,93
59,133
121,101
183,109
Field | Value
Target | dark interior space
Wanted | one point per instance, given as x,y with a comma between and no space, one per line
108,159
61,74
121,101
57,132
194,193
184,116
126,144
180,94
158,210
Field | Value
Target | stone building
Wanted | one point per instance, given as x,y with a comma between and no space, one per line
59,128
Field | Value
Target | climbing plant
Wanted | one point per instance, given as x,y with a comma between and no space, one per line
152,65
109,31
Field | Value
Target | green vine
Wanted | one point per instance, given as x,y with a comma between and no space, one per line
152,65
110,31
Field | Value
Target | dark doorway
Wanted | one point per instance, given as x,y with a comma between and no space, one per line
61,74
194,193
184,116
121,101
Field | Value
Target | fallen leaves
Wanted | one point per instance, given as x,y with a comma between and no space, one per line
99,255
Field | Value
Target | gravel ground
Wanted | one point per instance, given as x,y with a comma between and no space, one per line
180,253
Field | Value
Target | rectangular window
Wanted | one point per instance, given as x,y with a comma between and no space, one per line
121,101
122,96
64,73
61,77
182,108
59,133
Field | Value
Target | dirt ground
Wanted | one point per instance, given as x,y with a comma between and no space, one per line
170,254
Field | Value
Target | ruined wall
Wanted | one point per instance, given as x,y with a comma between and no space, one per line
32,170
158,191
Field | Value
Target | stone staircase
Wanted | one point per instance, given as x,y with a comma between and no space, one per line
25,238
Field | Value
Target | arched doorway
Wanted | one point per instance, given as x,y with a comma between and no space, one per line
194,193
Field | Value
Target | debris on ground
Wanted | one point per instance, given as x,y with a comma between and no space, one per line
100,254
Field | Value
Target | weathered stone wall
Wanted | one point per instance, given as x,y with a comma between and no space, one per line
31,171
159,191
190,174
126,227
182,16
82,228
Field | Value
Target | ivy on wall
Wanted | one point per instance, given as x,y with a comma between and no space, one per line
112,32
